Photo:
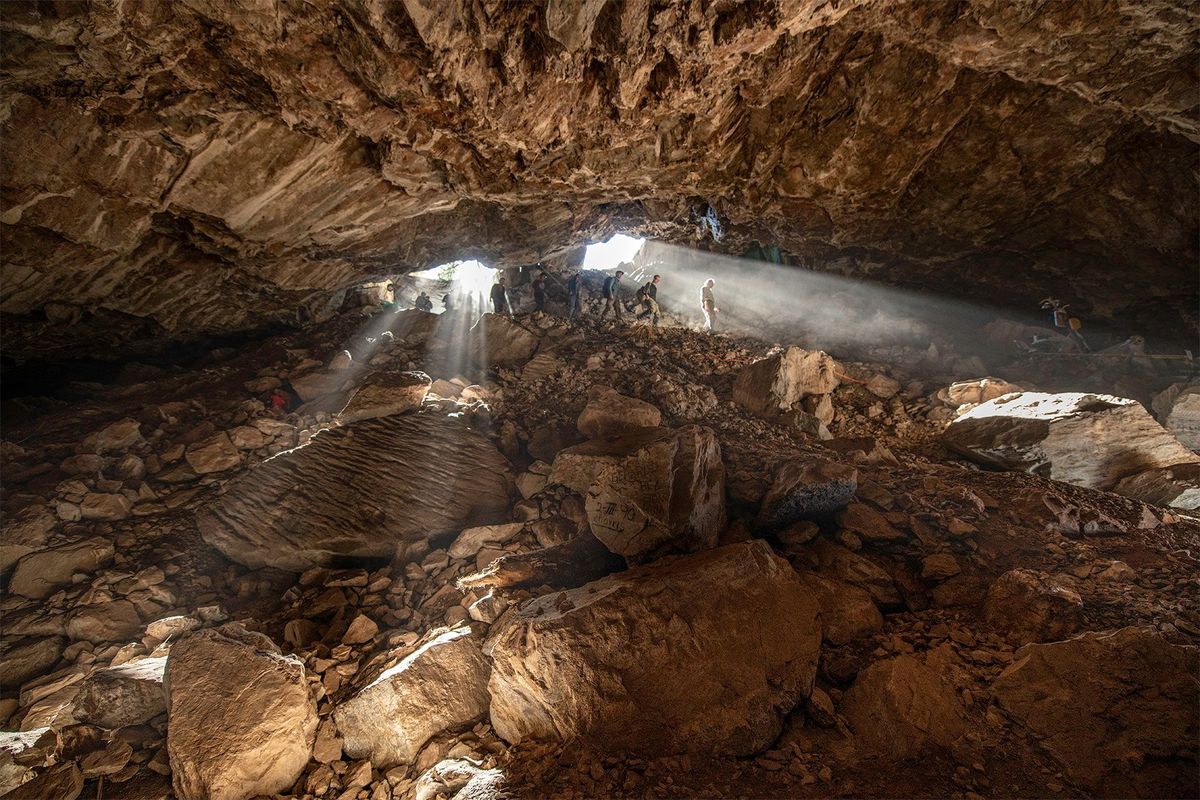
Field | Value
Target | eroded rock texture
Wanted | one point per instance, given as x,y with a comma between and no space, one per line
359,491
184,168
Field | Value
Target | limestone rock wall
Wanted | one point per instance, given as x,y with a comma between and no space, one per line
207,166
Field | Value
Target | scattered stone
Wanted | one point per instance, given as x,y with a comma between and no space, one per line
115,438
124,695
26,659
362,629
114,621
939,566
471,540
848,613
98,506
977,391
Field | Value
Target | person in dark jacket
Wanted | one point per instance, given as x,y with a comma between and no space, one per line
612,285
539,292
649,297
500,298
573,289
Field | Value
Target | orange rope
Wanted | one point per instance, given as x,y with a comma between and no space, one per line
848,378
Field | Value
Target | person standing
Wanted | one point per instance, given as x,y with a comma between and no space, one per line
709,306
539,292
612,285
500,298
649,294
573,288
423,302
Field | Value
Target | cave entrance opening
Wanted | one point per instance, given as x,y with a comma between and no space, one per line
456,285
620,249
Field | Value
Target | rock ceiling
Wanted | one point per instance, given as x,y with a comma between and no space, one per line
213,165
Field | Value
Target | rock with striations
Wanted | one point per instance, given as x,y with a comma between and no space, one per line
1176,486
704,653
20,753
609,414
384,394
656,488
1118,710
1085,439
1178,409
498,340
779,382
127,694
40,574
805,490
440,686
1027,606
241,722
358,490
904,706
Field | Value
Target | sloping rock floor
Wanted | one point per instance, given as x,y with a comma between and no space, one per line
925,541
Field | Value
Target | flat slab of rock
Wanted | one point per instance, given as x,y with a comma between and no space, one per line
705,653
778,383
442,685
1117,709
24,532
386,393
240,720
24,659
1178,409
214,454
645,490
610,414
38,575
1088,440
357,491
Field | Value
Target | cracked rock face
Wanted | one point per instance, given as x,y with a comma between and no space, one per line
184,168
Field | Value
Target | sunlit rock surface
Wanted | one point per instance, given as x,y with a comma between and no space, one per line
179,168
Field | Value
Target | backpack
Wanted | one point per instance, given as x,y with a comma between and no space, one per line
643,293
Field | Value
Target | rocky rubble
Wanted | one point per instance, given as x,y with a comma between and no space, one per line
439,599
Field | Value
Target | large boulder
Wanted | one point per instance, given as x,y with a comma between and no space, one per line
1178,409
215,454
805,489
704,653
779,382
1117,709
241,722
847,612
610,414
656,487
1027,606
40,574
976,391
127,694
903,706
1088,440
498,340
442,685
386,393
357,491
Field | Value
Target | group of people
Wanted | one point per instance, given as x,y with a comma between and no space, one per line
646,298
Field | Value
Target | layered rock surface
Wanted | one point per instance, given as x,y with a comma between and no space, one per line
283,163
359,491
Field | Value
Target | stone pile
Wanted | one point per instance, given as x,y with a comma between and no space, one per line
598,573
